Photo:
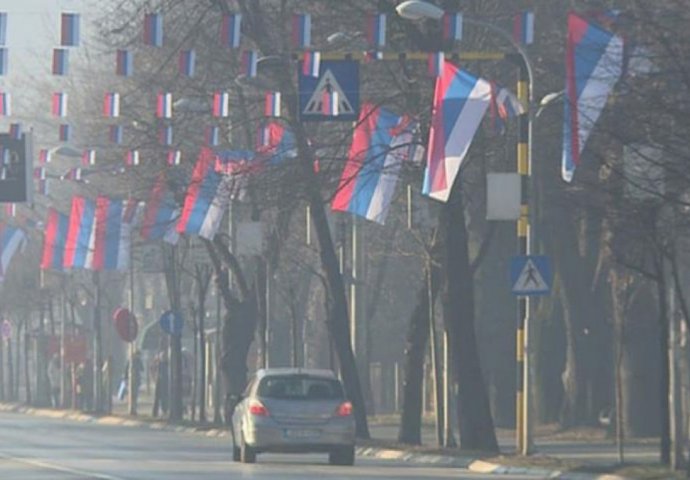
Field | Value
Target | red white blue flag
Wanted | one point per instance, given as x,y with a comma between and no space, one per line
330,103
88,158
221,105
523,28
301,30
69,30
161,213
165,135
435,63
132,158
111,105
73,174
376,30
187,63
3,28
11,209
43,187
231,29
311,64
249,62
115,134
43,156
212,136
65,132
153,29
4,61
54,237
452,26
39,173
174,157
275,144
5,104
111,235
460,102
272,104
206,199
80,234
164,105
59,105
12,240
504,105
124,63
60,61
593,66
370,175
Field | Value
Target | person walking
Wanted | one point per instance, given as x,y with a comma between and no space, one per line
160,393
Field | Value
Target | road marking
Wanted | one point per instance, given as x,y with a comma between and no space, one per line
58,468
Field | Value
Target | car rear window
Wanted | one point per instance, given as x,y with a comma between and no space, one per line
300,387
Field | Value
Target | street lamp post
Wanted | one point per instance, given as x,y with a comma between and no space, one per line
417,10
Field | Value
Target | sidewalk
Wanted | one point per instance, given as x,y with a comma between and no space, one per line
383,446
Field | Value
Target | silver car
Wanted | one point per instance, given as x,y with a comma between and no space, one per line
294,410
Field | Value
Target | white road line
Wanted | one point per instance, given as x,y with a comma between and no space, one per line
58,468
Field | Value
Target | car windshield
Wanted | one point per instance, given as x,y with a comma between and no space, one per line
300,387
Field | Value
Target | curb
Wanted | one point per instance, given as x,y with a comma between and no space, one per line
470,463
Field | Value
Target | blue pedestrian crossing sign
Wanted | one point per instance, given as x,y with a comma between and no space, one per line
341,76
172,323
530,275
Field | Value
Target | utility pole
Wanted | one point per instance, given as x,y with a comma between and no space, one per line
674,397
98,345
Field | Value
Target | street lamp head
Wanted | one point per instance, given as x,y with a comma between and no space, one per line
419,10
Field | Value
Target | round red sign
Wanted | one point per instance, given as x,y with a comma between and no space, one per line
125,324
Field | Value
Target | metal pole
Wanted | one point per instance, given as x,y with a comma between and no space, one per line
98,353
267,330
433,351
63,364
354,268
675,413
131,397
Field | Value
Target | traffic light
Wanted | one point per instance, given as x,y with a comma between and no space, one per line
15,168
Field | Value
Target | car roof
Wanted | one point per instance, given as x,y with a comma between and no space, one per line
312,372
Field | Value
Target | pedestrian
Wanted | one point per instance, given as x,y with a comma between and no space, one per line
160,393
137,370
54,377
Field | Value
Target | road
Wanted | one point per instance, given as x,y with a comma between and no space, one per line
37,448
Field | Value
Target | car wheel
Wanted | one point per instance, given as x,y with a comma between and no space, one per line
247,453
342,456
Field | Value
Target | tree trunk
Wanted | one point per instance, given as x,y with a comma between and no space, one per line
474,415
664,378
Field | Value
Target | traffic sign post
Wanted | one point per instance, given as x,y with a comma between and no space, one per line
126,324
530,275
172,323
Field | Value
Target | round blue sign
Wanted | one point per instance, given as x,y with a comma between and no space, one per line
172,323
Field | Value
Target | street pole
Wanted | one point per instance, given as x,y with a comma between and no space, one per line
675,408
433,352
98,353
131,396
354,269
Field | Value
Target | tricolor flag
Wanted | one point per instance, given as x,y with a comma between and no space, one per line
12,240
64,132
164,105
44,156
231,29
368,180
523,28
504,105
301,30
330,102
132,158
110,243
16,131
372,56
80,234
460,102
249,62
4,62
39,173
111,105
124,63
274,144
594,63
206,199
161,213
311,63
237,166
88,158
165,135
59,105
272,104
435,63
115,134
5,104
54,237
187,63
43,187
11,209
3,28
69,30
174,157
72,174
376,30
153,29
60,61
452,26
212,136
221,105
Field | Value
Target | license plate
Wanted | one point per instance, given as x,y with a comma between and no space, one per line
302,433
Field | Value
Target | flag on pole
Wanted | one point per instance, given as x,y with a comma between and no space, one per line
311,63
523,28
452,26
59,106
221,105
160,213
249,62
39,173
174,157
16,131
3,28
330,102
435,63
164,105
376,30
72,174
368,180
60,61
11,209
275,144
4,62
5,104
12,240
111,105
153,29
132,158
594,63
504,105
43,187
301,30
65,132
212,136
237,166
165,135
80,231
231,29
206,199
460,102
124,63
272,104
88,158
54,236
187,63
69,30
111,240
43,156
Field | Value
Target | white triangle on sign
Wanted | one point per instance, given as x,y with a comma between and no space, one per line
530,279
327,83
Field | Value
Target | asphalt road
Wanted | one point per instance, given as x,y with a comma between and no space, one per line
37,448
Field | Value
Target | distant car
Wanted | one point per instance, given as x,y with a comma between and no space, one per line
294,410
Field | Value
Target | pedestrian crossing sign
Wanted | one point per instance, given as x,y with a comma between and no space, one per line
530,275
339,76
